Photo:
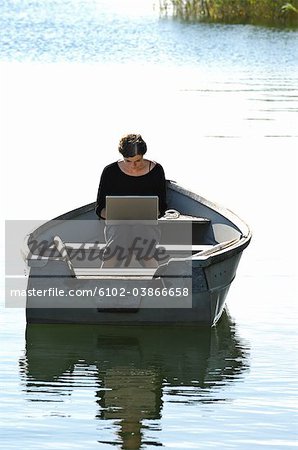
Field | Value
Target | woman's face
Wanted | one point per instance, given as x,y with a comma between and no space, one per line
135,162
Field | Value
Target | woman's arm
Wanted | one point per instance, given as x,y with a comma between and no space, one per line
162,194
101,196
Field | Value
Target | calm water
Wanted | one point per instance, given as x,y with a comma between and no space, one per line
218,107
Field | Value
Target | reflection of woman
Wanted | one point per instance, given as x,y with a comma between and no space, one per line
132,175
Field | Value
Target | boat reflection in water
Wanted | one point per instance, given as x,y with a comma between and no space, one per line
131,369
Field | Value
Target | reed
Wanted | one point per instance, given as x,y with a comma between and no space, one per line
258,12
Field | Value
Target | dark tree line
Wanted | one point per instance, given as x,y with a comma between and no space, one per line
259,12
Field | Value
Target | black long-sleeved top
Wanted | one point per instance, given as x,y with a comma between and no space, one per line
115,182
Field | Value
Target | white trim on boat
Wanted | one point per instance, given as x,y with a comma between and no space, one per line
169,247
114,272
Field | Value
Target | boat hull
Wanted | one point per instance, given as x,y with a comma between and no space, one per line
210,286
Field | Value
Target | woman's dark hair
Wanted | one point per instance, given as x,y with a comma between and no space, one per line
132,145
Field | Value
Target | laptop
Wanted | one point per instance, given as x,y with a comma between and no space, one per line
131,208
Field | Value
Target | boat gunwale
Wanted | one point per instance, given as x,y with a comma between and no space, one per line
223,211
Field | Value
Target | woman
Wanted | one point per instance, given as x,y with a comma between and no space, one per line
132,175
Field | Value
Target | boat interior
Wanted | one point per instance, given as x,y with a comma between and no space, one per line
192,228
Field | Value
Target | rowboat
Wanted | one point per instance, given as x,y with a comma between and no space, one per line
198,254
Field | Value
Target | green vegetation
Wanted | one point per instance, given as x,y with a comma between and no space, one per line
257,12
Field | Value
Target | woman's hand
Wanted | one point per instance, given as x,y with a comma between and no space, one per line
103,213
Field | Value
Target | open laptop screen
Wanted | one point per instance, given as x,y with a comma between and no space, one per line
131,208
